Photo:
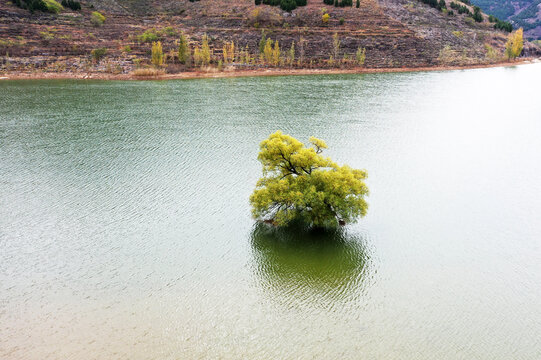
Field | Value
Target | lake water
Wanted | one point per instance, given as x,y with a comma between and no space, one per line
125,229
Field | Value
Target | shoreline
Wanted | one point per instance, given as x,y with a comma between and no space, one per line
249,73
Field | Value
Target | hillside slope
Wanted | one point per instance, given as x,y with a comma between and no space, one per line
521,13
394,33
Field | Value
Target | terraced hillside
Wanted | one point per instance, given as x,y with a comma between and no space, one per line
394,33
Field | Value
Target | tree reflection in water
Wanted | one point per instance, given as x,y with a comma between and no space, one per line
300,265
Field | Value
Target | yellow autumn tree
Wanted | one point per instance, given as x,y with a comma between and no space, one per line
205,50
197,56
157,54
228,51
267,51
325,18
183,49
514,45
276,53
299,184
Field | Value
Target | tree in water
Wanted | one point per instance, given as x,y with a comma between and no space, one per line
299,184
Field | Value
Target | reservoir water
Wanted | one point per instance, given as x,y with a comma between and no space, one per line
125,229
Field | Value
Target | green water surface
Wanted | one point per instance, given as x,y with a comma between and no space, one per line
125,229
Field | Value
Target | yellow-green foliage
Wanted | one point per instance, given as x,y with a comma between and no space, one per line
157,54
291,54
46,35
492,55
149,35
197,56
183,49
458,34
276,53
97,19
229,52
53,6
325,18
98,54
360,56
205,50
298,183
514,45
267,51
170,31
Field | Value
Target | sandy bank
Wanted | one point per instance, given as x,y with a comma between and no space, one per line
245,73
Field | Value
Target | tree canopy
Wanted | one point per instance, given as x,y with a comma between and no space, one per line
299,183
514,45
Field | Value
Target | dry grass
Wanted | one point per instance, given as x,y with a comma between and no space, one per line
148,72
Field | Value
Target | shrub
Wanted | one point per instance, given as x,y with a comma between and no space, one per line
300,2
325,18
170,31
157,54
46,35
503,25
288,5
150,35
341,21
258,2
53,6
262,42
98,54
360,56
97,19
442,5
32,5
477,14
431,3
358,4
328,2
72,4
461,9
492,55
